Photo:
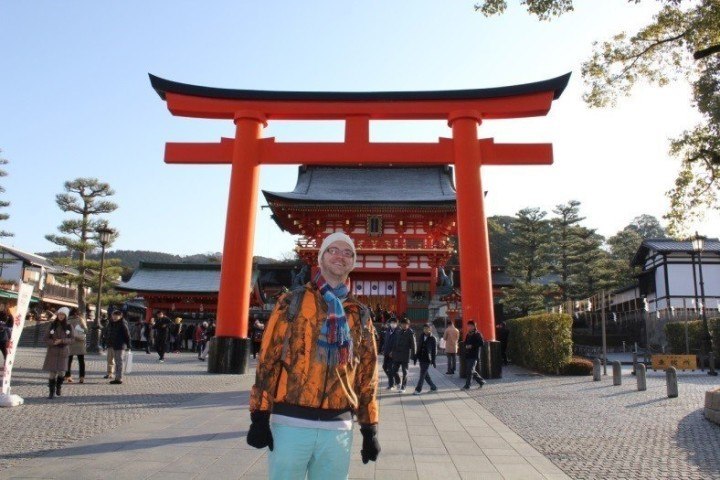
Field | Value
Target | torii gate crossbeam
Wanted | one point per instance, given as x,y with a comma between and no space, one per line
252,109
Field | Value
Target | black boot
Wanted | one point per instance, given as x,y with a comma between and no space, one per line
51,384
58,386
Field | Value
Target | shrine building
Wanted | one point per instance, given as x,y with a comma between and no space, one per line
401,219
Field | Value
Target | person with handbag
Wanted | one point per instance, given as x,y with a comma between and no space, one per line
118,341
58,338
473,345
78,347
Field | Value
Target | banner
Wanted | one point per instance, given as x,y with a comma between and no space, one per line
23,303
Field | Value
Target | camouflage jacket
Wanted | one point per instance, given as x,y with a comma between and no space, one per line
289,370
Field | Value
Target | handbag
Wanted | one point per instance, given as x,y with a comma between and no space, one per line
79,333
128,360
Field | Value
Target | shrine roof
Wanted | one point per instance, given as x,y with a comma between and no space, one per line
667,245
163,86
420,185
189,277
174,277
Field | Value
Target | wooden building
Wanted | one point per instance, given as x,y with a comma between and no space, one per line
401,220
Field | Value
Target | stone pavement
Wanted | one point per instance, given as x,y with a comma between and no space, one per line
522,426
594,430
436,435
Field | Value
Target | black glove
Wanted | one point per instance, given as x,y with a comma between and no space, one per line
259,435
370,446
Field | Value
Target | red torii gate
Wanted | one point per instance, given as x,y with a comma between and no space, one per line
251,110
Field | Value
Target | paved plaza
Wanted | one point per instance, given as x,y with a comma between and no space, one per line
172,420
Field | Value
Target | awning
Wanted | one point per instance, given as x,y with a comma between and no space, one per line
14,296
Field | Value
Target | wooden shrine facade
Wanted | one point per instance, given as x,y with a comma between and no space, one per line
401,219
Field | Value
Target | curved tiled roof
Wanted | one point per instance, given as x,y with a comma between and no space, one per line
666,245
163,86
174,277
317,184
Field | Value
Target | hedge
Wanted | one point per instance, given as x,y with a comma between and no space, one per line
541,342
675,334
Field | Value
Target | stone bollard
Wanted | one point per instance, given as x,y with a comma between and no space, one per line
597,374
617,373
634,372
672,385
641,377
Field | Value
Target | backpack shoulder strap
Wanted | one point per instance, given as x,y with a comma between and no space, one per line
293,301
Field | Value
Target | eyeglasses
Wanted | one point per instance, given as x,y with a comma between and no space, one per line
336,251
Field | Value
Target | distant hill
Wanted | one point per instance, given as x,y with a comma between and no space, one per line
130,259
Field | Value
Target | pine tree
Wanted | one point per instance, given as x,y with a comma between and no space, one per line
3,203
83,197
567,245
528,261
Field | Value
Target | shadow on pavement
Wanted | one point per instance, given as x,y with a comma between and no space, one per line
127,445
700,439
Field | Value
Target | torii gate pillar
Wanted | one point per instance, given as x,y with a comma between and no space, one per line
230,351
477,297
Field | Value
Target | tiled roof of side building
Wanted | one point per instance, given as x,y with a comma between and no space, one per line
36,260
667,245
174,277
317,184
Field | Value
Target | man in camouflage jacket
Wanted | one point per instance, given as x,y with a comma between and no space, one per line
317,368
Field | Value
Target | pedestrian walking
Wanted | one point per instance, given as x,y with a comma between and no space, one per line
502,334
403,349
178,334
78,347
451,337
188,343
473,344
426,352
6,326
209,333
162,332
118,342
58,338
200,338
317,366
145,337
387,366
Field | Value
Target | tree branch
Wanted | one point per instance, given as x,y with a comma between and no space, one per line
706,52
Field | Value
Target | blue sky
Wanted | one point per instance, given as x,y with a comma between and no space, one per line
75,101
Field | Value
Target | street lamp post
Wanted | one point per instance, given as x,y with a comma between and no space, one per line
698,243
104,236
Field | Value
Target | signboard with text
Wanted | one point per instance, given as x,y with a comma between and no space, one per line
23,303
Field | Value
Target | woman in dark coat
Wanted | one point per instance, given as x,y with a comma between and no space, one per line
58,338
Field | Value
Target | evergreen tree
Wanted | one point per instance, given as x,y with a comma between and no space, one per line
528,262
500,239
568,245
595,269
530,239
3,203
647,226
84,197
623,247
682,41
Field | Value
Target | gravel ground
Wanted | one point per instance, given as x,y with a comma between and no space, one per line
594,430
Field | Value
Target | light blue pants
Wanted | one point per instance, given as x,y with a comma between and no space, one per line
312,453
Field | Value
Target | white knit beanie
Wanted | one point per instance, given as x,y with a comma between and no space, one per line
336,237
63,310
